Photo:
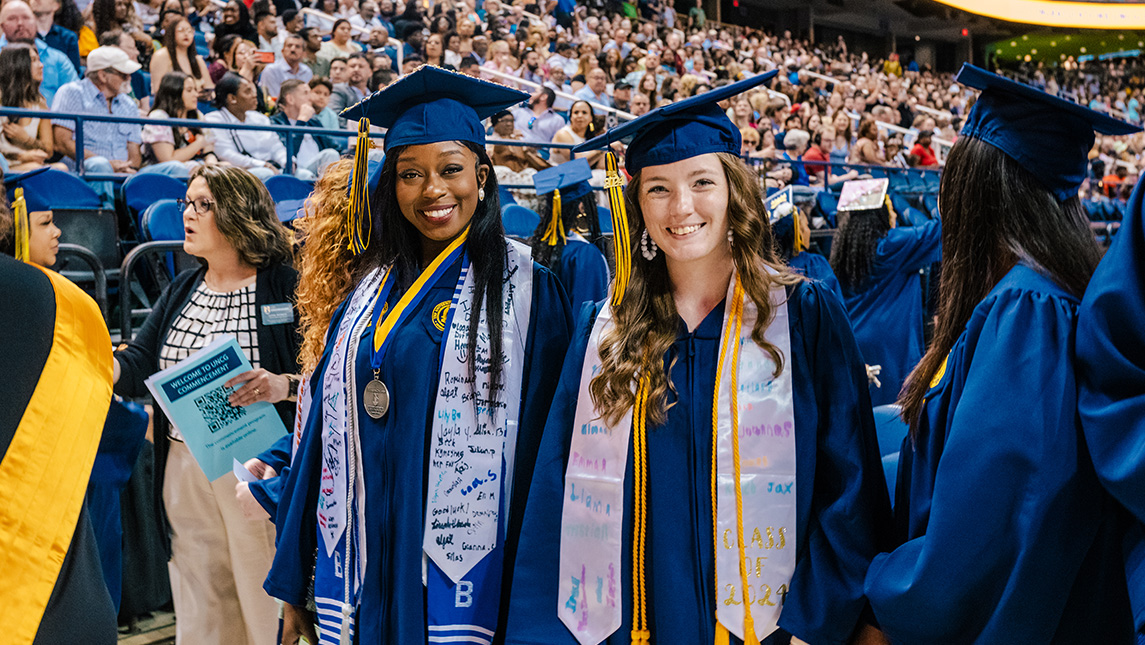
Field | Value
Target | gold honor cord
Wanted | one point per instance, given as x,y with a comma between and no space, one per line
731,338
23,227
556,228
358,215
621,244
641,635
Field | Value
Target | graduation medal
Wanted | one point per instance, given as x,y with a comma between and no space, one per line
376,396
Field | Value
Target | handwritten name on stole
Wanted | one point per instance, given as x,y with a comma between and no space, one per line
589,600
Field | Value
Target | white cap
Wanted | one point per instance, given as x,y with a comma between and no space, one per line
111,58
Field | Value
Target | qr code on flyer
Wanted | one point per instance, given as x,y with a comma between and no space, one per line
216,411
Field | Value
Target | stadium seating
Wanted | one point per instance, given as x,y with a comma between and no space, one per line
519,221
163,221
142,190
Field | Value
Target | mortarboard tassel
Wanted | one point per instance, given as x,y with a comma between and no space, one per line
890,208
23,232
358,214
556,229
797,243
621,244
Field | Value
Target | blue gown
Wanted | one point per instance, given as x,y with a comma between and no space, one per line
843,510
816,267
1111,378
394,452
887,312
1009,537
583,272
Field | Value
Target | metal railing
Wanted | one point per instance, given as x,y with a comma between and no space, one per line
97,271
136,255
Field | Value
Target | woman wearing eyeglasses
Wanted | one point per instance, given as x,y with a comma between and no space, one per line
218,557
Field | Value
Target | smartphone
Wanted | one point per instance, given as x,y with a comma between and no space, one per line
264,57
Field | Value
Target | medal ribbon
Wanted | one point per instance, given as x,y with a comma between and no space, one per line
392,318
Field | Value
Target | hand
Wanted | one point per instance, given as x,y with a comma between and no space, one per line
258,468
306,112
122,166
252,510
257,385
15,134
207,146
296,622
34,155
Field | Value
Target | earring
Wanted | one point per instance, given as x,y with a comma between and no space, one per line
648,246
731,237
481,194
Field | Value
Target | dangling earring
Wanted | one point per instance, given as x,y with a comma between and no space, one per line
648,246
480,194
731,238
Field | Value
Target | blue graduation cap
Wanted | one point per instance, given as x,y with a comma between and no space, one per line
681,130
570,178
433,105
1047,135
35,200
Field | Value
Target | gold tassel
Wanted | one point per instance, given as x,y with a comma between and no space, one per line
358,214
798,242
621,244
556,229
722,637
23,228
890,209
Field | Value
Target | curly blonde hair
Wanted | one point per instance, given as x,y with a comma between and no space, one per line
325,264
645,322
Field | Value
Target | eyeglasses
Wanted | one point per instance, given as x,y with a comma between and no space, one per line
201,206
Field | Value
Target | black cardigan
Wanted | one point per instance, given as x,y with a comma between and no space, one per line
277,346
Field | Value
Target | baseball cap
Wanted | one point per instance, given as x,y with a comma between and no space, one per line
115,58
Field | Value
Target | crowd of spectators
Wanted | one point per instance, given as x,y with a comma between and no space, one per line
830,114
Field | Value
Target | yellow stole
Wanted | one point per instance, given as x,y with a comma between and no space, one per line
44,473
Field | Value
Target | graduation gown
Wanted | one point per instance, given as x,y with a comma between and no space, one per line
843,514
1111,383
816,267
392,606
887,312
1009,537
584,272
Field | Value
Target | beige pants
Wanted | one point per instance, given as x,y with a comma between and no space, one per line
219,559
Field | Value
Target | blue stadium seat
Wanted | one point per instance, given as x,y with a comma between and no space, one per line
932,179
142,190
163,221
57,189
900,183
284,187
890,427
826,204
519,221
604,217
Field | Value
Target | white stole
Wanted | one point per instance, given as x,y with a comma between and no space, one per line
475,436
590,583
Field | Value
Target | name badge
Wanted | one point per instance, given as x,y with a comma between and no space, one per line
277,314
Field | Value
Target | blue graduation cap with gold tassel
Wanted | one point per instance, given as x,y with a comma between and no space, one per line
668,134
570,177
19,204
430,105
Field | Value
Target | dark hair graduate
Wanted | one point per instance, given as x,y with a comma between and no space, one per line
853,251
994,214
398,243
575,213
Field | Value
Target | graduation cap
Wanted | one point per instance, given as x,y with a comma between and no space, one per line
863,194
571,177
781,212
1047,135
430,105
36,200
680,130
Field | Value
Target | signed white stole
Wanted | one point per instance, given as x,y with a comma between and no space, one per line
592,520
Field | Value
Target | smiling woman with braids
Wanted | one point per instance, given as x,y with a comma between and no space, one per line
1007,535
404,498
722,366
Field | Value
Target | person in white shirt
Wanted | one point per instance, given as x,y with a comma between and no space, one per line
366,20
260,152
269,40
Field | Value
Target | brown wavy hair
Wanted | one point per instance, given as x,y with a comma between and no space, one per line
245,215
645,322
325,263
